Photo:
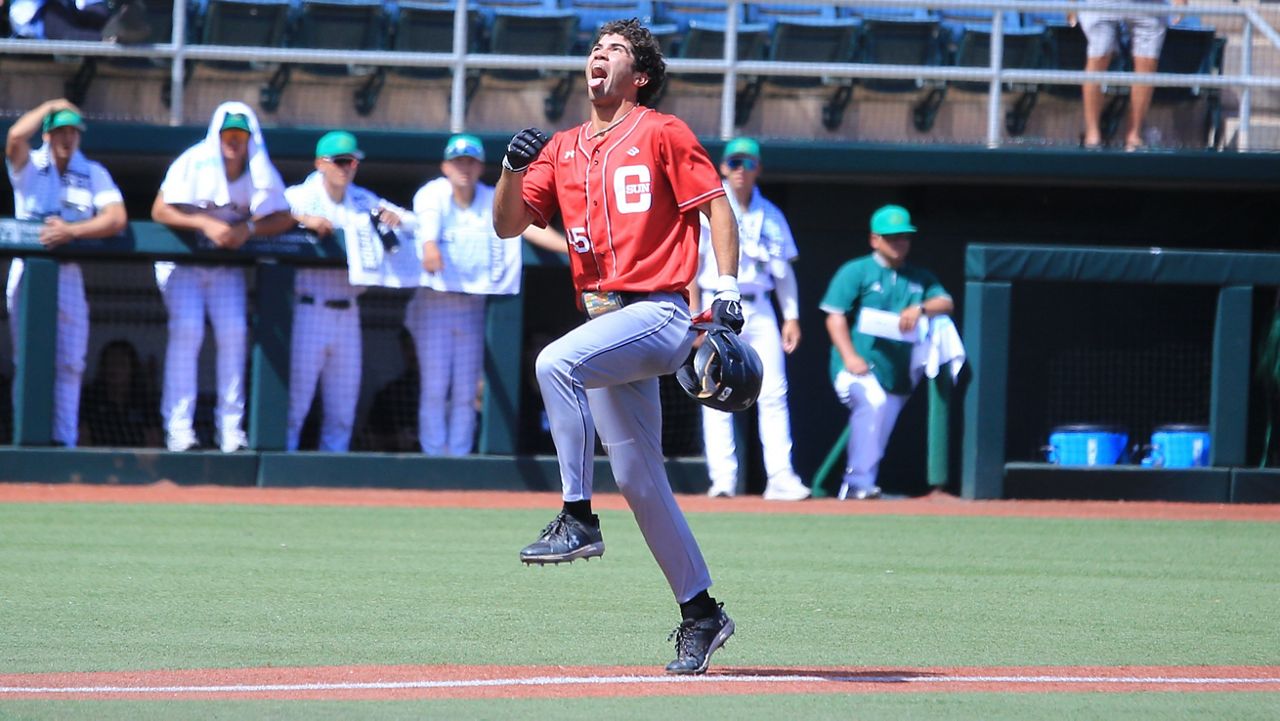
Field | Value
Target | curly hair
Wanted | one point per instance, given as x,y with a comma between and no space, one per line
646,53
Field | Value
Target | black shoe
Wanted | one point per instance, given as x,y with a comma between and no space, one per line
565,539
697,639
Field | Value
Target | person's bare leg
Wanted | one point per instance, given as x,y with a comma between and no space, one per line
1091,96
1139,103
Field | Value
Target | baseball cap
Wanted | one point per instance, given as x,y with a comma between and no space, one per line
62,119
891,220
338,142
463,145
741,147
236,121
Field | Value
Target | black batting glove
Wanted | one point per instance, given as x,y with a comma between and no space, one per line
522,149
727,313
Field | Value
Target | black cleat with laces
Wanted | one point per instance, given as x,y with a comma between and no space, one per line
696,639
565,540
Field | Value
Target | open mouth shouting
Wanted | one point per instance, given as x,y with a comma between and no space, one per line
597,73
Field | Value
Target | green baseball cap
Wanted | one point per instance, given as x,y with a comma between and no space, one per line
63,119
236,121
338,142
463,145
741,147
891,220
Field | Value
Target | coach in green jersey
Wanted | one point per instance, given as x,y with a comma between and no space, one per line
871,348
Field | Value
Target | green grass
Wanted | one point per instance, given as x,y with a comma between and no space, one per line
835,707
107,587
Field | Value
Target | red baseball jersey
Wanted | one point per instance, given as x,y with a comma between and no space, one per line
629,201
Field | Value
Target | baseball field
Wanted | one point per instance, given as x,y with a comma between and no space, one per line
166,602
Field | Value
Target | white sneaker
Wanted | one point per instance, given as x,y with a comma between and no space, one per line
721,491
860,494
786,487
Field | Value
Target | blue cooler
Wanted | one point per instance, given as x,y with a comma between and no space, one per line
1087,445
1179,445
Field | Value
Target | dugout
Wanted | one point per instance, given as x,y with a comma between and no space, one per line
957,195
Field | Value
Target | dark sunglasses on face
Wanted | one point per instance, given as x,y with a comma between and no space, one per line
345,161
744,163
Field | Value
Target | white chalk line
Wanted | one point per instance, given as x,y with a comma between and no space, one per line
640,680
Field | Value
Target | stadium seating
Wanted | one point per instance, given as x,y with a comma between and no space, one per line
331,25
249,23
904,41
704,39
1023,50
594,13
769,13
815,40
683,12
536,32
1189,48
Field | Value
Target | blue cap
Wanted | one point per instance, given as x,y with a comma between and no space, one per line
463,145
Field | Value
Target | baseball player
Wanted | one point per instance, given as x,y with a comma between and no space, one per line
326,320
465,261
75,198
872,372
225,188
630,184
767,252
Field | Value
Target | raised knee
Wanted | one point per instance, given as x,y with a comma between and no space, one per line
550,366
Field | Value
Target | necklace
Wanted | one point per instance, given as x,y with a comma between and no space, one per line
610,126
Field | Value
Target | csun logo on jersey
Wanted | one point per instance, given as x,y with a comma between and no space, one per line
631,188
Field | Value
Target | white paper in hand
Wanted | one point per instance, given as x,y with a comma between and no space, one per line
884,324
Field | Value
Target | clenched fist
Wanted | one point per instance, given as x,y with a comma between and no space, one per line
522,149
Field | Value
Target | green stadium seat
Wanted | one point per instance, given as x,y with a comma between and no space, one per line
815,40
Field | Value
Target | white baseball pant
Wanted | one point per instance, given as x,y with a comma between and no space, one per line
326,347
760,331
448,332
72,344
189,293
872,414
603,376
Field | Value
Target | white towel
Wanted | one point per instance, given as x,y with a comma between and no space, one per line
190,182
940,346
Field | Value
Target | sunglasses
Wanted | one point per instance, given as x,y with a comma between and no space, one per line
344,161
747,164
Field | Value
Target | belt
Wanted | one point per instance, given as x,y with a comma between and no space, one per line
335,304
597,303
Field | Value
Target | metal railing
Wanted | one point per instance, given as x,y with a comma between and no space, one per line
179,51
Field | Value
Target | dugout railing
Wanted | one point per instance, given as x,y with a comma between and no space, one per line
992,271
460,62
272,260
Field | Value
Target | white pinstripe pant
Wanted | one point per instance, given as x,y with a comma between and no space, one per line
448,332
326,347
189,292
72,344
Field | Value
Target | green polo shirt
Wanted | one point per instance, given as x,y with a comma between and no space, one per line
867,282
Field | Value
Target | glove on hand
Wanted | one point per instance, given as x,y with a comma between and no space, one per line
522,149
727,313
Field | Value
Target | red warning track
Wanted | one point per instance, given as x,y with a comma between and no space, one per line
475,682
930,506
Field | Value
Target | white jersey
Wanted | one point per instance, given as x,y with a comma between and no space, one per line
40,191
475,259
310,198
765,244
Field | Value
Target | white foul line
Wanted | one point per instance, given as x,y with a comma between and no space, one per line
604,680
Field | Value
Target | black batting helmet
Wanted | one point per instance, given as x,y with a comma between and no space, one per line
725,373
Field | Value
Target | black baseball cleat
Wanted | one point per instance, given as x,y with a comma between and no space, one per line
697,639
565,540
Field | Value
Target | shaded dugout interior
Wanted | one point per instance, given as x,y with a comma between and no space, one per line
1130,355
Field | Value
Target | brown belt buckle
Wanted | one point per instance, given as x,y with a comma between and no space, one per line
598,302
